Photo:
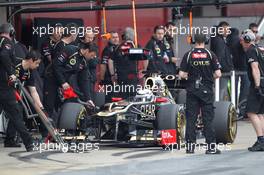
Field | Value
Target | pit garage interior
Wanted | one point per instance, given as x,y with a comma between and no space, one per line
111,159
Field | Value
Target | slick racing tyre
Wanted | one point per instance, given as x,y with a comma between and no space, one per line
172,116
225,122
72,114
167,117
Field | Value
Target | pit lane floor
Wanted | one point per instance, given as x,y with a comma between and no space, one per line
110,160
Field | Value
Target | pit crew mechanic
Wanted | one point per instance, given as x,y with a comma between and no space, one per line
51,99
73,61
220,46
255,101
105,77
126,69
49,43
89,38
7,94
163,57
24,72
200,66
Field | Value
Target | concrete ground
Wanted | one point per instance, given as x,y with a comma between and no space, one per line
109,160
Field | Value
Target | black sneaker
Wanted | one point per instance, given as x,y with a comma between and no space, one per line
30,148
189,151
213,151
257,147
11,144
190,147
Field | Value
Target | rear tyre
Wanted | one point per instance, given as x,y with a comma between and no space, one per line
225,122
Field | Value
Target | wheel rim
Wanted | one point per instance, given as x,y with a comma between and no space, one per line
82,114
181,126
232,124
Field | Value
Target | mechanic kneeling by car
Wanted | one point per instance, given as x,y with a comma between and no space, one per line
200,66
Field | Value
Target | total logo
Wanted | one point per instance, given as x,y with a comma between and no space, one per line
166,135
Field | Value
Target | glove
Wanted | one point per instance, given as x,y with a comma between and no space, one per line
69,93
13,83
90,104
18,97
12,78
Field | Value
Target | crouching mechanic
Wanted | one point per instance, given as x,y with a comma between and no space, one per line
7,94
255,101
73,61
200,66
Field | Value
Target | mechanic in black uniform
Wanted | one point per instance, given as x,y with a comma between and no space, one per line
220,46
240,63
89,38
170,27
24,72
163,57
73,61
255,101
171,65
7,94
126,69
105,76
200,66
51,100
49,43
69,36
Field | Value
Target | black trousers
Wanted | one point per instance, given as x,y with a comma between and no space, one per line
9,105
11,131
195,103
50,97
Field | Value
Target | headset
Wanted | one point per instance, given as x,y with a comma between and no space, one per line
246,37
8,28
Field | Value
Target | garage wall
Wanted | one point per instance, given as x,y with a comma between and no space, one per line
2,14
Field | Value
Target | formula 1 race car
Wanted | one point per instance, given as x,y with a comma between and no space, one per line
141,117
153,109
138,118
